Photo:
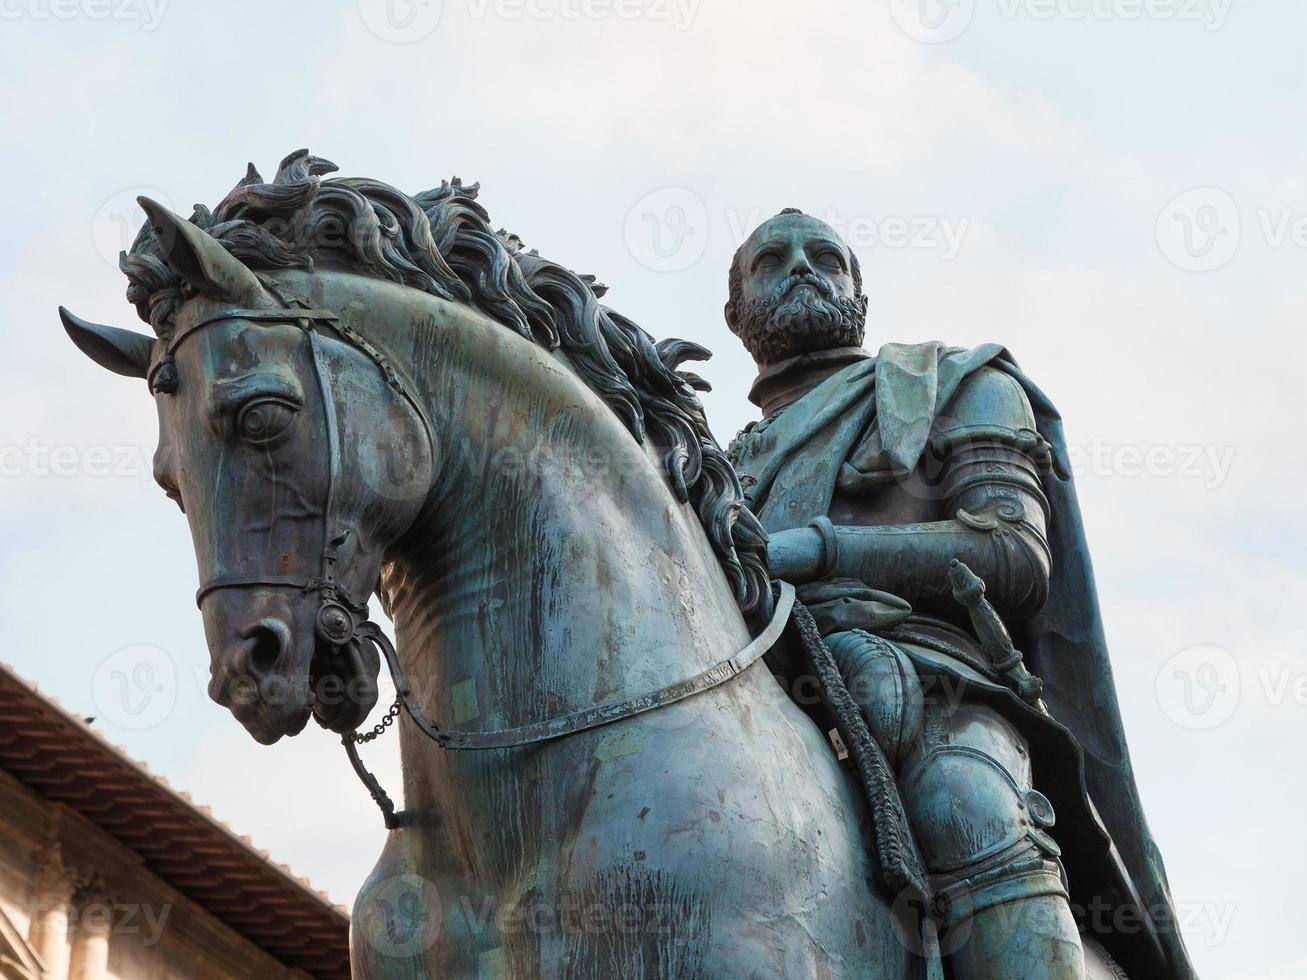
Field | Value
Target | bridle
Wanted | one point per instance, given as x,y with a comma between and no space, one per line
338,614
341,621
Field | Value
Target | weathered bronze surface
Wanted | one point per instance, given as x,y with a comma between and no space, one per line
362,392
551,527
922,500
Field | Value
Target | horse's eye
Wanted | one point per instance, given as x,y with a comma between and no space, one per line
263,419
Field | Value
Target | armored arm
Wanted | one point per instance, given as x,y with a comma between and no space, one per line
992,459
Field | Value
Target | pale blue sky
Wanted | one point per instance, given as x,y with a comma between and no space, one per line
1029,164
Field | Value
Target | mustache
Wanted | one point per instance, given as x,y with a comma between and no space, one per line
802,279
779,326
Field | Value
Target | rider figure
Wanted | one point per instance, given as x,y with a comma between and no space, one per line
872,474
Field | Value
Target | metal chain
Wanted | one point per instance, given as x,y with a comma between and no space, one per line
380,727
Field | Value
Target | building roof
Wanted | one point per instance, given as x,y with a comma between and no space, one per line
59,757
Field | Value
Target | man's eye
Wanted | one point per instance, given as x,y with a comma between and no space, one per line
767,262
831,261
263,419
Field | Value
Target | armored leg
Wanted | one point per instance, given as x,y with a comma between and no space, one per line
982,829
884,682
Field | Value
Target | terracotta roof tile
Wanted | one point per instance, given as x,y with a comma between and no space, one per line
59,757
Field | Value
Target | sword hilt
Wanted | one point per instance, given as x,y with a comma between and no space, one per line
995,641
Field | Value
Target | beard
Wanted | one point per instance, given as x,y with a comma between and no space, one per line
783,326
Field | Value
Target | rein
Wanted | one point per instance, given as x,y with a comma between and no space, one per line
342,622
552,728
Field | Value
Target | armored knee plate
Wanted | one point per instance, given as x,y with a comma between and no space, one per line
981,826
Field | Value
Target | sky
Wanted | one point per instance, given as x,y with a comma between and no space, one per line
1114,189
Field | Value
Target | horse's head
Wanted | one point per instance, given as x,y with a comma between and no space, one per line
268,423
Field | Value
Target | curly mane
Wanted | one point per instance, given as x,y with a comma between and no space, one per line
440,241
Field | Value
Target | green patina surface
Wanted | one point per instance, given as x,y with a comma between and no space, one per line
363,392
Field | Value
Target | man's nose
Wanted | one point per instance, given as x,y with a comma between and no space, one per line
800,266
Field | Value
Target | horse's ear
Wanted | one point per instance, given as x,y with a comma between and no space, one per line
199,258
121,351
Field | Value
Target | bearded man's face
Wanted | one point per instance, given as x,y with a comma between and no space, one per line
796,291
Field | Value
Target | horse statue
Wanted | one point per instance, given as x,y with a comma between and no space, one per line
365,392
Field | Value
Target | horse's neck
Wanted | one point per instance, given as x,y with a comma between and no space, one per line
552,568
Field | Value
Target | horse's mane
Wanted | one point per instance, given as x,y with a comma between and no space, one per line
441,242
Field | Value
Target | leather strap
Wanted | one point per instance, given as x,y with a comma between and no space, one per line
285,315
587,718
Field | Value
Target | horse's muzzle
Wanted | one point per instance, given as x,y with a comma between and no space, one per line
262,645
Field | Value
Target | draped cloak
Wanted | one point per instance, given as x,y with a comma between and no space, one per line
868,425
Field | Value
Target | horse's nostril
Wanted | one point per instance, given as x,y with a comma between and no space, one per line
264,652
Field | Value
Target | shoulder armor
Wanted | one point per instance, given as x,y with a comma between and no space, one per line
988,398
990,406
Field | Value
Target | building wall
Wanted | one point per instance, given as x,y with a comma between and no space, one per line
123,923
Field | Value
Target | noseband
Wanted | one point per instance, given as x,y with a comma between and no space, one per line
341,621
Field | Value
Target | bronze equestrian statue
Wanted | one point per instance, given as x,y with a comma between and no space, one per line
362,392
